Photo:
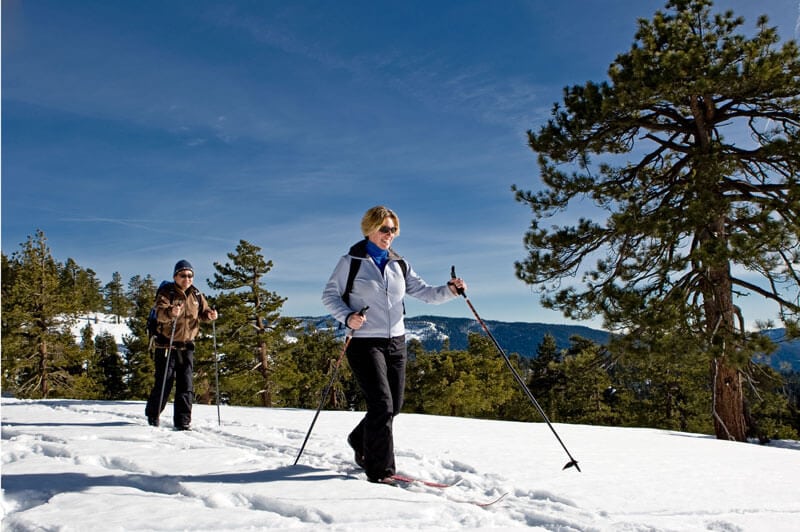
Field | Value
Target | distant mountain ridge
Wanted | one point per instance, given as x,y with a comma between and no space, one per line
523,338
515,337
787,354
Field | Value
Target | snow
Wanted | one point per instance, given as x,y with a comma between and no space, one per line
73,465
101,324
426,331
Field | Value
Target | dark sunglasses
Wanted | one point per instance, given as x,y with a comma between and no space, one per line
186,275
385,229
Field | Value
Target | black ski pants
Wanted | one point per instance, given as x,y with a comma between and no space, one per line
379,366
179,371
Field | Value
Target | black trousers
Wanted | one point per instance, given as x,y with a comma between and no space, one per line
179,371
379,366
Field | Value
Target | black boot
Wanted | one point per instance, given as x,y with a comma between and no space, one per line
359,453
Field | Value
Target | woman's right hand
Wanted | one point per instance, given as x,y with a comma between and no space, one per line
356,320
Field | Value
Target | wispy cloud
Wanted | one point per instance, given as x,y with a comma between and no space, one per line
439,84
177,227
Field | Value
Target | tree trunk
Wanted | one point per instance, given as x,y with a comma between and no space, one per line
728,397
728,403
43,368
266,395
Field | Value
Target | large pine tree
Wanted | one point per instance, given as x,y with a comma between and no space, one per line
251,331
38,346
691,152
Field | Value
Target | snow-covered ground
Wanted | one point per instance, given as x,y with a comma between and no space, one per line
88,465
101,323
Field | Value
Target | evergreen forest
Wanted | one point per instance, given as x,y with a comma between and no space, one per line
260,357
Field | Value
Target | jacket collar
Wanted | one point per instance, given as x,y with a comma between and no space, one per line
359,249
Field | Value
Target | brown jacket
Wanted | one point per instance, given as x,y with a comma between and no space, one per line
194,309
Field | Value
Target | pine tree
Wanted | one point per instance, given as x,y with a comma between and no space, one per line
472,383
664,378
545,373
12,340
694,207
37,342
769,404
116,301
110,366
83,287
87,340
302,375
584,386
139,365
85,368
496,388
253,332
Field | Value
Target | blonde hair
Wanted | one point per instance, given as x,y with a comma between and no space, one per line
374,218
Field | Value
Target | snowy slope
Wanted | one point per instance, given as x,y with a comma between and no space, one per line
84,465
101,323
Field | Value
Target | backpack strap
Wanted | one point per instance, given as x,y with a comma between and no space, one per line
404,267
355,264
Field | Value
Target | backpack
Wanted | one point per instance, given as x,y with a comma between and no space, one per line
351,277
152,318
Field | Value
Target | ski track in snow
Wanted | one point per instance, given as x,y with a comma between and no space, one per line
248,451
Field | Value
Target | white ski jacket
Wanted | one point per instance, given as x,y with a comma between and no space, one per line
383,293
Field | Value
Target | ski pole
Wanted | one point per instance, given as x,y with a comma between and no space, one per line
328,387
572,462
216,368
166,366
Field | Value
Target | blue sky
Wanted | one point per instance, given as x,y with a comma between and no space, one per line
138,133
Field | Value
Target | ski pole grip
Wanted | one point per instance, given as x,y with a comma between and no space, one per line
361,312
453,276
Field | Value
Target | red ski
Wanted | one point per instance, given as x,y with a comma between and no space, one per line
405,481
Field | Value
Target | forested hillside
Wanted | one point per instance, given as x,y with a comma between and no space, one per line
259,357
